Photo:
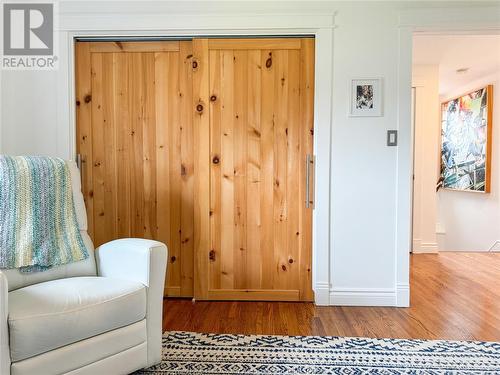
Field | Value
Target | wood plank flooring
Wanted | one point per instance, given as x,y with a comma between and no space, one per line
454,296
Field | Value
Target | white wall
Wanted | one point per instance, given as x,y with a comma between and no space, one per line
364,168
361,235
471,221
449,53
29,112
425,79
1,112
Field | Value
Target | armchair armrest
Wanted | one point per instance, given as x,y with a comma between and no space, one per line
4,326
132,259
144,261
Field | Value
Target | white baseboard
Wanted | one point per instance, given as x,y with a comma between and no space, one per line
420,247
322,294
363,297
403,295
415,244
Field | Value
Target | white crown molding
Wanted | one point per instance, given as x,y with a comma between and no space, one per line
177,24
191,18
190,7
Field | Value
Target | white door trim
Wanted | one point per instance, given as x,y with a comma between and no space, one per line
485,20
80,25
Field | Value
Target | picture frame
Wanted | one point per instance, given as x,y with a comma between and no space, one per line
366,99
466,141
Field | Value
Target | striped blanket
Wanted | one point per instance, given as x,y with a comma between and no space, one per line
38,225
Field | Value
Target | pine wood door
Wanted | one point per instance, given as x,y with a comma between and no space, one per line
135,136
253,121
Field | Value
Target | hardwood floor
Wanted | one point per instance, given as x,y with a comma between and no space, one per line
454,296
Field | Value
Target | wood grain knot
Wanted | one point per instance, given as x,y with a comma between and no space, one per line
211,255
87,98
77,103
173,258
269,62
290,260
194,64
213,98
216,160
199,108
283,267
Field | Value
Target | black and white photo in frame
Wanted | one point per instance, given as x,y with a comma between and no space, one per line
366,97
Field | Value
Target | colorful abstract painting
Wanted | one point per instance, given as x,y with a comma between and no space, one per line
466,141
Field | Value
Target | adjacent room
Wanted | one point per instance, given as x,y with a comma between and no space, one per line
459,72
249,187
456,204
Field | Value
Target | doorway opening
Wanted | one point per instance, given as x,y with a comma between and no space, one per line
456,181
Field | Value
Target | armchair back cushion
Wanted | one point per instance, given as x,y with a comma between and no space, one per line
85,267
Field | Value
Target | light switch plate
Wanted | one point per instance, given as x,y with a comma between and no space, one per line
392,137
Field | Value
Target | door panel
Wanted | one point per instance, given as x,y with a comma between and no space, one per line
202,145
135,135
256,98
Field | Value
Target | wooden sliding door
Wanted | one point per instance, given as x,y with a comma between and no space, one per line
204,145
135,136
253,101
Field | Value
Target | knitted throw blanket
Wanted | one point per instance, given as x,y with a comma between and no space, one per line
38,226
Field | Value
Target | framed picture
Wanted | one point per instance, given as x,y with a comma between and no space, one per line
366,97
466,126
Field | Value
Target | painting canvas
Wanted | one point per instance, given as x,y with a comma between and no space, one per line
466,141
364,97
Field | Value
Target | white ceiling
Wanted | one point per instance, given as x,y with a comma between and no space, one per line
479,53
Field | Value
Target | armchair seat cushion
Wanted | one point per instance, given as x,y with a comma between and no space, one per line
52,314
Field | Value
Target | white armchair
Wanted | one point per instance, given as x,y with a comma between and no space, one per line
143,261
102,315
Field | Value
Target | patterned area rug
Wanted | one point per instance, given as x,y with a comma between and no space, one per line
202,353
